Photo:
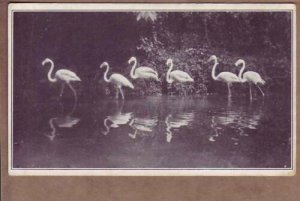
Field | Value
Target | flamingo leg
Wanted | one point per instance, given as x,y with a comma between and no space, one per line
122,94
229,90
117,93
156,78
250,87
260,90
133,136
146,85
75,96
229,101
62,90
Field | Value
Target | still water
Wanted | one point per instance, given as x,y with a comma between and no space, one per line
156,132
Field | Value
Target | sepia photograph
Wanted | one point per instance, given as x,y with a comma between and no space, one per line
152,89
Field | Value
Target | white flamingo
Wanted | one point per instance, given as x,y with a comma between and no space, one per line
177,75
142,72
251,77
226,77
63,75
116,79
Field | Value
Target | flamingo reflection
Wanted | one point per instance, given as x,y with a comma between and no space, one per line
177,121
237,119
60,122
142,126
116,120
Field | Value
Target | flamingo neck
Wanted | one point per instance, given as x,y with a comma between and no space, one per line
241,71
105,74
132,72
131,122
50,72
51,123
213,72
106,126
169,80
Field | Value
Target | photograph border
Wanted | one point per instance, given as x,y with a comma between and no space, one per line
159,7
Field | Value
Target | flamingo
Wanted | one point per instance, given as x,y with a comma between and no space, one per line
177,75
226,77
251,77
142,72
63,75
116,79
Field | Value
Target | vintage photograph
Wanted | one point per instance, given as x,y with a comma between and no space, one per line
152,89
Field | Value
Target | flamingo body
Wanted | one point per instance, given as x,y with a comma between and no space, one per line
177,75
146,73
119,80
180,76
227,77
66,75
142,72
254,77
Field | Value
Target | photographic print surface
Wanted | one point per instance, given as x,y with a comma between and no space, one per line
108,89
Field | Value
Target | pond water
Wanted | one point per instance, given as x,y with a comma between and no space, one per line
155,132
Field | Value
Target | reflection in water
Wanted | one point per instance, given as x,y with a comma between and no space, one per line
61,122
177,121
117,119
191,124
142,126
236,118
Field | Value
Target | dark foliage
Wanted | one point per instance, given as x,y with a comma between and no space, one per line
82,41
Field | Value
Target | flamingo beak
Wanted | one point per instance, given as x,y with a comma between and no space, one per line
44,62
210,59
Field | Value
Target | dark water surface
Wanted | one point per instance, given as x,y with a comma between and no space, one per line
155,132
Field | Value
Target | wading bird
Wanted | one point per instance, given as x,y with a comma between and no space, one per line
226,77
177,75
62,75
251,77
142,72
117,80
